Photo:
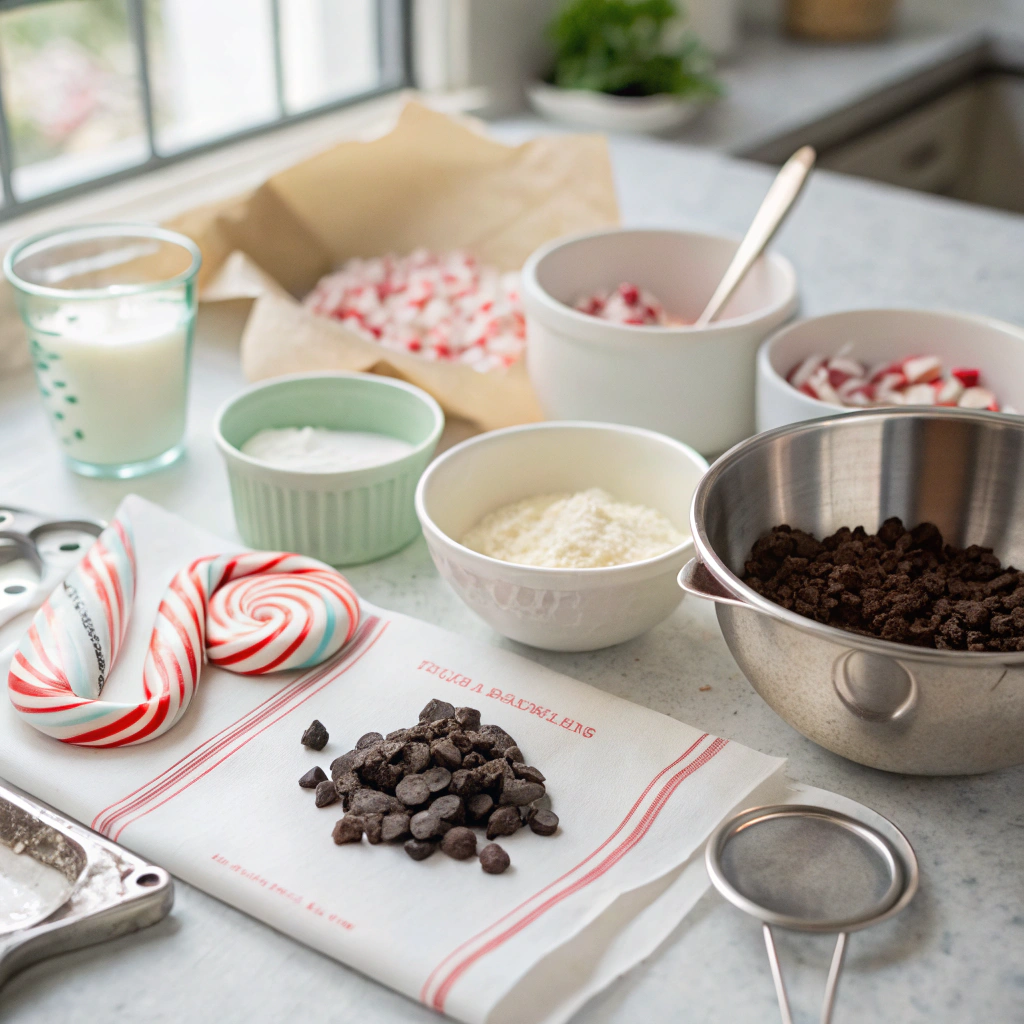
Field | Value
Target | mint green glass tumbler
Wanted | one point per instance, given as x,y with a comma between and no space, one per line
110,311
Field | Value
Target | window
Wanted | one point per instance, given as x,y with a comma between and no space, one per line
95,90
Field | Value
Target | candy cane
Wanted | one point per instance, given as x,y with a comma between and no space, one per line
251,613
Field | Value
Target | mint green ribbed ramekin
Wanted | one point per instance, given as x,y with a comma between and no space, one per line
341,518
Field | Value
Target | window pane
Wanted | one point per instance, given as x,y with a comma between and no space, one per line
211,68
330,50
71,90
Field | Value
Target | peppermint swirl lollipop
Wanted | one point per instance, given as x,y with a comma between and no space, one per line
251,613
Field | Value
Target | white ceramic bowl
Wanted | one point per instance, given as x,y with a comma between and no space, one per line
634,115
559,609
877,335
696,385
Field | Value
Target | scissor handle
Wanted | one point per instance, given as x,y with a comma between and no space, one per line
24,544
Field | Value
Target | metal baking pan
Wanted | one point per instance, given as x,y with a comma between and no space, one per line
62,886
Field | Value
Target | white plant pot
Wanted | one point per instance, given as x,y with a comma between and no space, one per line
636,115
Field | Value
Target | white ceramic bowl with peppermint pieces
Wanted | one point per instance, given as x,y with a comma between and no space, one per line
642,362
877,358
560,609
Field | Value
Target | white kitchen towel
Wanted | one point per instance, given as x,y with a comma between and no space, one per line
216,801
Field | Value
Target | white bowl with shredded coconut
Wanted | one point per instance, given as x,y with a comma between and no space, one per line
606,508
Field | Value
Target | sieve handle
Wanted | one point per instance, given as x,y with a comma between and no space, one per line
780,985
831,986
833,979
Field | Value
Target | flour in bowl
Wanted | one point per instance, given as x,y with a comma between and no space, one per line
587,530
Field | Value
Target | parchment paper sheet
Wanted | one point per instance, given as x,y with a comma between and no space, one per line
433,181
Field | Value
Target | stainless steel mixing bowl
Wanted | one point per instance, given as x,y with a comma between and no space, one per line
904,709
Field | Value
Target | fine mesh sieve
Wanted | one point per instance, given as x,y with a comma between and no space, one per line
811,869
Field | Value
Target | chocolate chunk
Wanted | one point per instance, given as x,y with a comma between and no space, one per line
513,754
416,758
373,826
482,742
448,808
519,792
436,710
413,790
544,823
379,771
468,718
350,762
315,737
479,807
493,859
459,842
348,829
369,801
492,772
399,735
528,772
418,849
394,826
427,825
445,754
437,779
500,740
325,793
460,740
345,784
473,759
465,783
313,778
368,739
505,821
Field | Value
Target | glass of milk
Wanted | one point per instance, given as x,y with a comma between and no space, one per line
110,310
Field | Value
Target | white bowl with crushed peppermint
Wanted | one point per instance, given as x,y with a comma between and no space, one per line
564,536
610,334
875,358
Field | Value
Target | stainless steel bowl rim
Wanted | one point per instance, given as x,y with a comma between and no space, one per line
749,597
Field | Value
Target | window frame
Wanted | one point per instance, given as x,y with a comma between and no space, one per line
395,57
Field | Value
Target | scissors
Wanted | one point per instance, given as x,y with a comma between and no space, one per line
36,553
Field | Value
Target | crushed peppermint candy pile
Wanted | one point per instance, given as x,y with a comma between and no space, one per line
439,306
627,304
917,380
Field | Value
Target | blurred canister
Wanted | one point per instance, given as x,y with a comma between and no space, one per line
840,20
714,23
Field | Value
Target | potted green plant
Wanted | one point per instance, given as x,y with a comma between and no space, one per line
624,66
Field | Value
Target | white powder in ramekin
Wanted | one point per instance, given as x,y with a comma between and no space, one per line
587,530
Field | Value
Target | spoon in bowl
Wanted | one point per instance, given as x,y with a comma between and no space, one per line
788,184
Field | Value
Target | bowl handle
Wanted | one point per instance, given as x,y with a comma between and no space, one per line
695,578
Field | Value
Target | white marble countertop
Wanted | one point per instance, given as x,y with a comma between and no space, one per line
956,954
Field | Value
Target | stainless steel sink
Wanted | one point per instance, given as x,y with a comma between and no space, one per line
955,129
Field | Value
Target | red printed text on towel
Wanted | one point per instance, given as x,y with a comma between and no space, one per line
268,885
550,715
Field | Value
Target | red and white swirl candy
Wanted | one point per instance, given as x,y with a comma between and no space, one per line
251,613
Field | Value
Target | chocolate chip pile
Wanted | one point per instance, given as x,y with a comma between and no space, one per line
898,584
429,785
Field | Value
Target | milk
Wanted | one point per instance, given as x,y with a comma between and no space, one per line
114,376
